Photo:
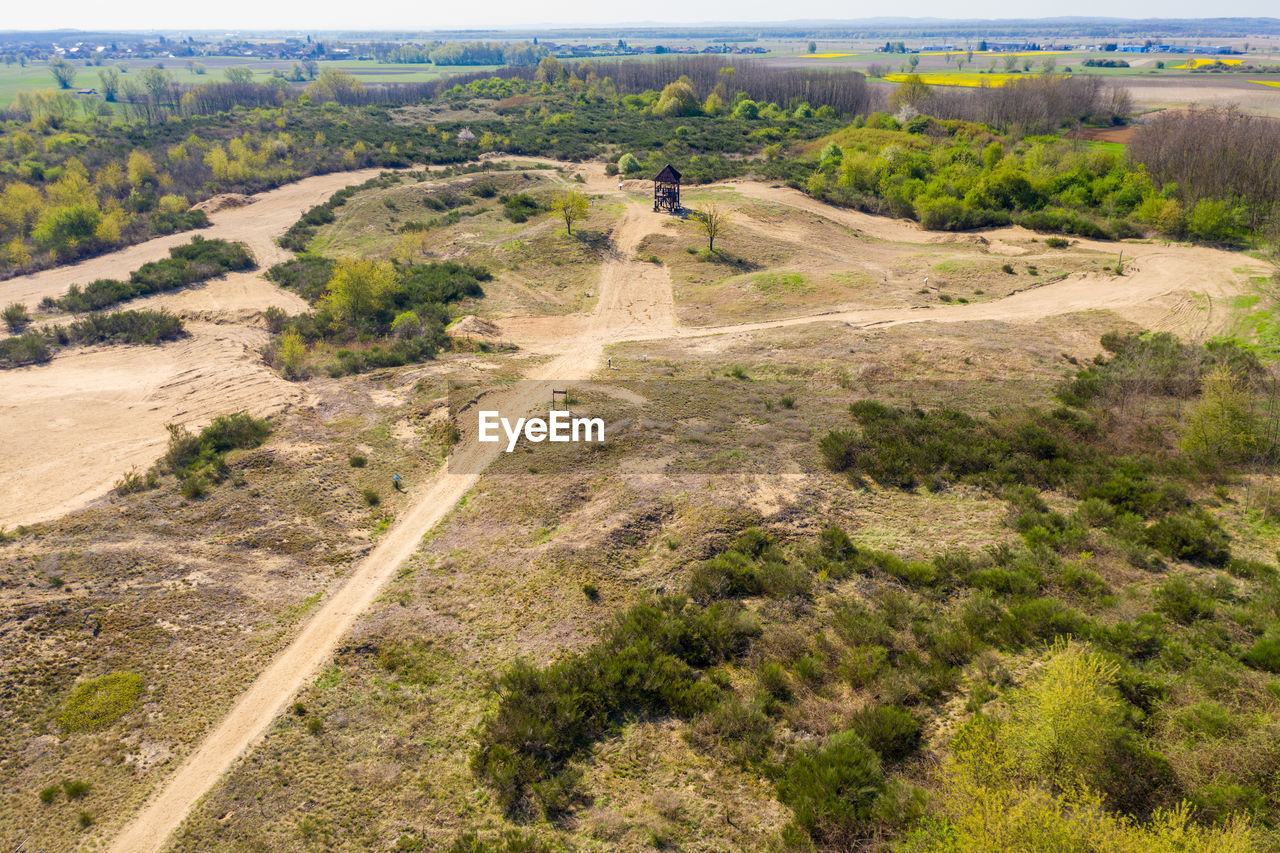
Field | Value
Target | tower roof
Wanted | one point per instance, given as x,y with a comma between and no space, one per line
668,175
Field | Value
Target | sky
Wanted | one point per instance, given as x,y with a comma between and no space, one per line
433,14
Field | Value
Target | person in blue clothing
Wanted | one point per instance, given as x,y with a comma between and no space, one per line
395,481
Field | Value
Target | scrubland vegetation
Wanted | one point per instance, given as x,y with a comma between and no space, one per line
198,461
195,262
121,327
1096,686
1101,675
367,313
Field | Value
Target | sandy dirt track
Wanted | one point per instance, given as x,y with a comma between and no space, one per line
257,225
267,697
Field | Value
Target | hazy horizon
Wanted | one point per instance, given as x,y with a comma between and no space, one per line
240,15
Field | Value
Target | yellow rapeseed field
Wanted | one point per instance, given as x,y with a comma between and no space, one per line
827,55
1275,83
1196,63
972,79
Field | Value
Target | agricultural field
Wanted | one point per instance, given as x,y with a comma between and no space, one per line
204,69
936,498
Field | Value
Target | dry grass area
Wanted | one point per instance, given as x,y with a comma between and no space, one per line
537,267
193,595
376,751
775,261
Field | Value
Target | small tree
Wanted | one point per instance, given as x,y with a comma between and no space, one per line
293,351
64,73
239,75
358,287
913,92
406,325
572,205
813,47
110,78
711,221
1222,428
628,164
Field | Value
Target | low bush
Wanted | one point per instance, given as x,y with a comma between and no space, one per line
648,662
521,207
306,275
199,459
832,790
893,732
24,349
197,261
99,702
1182,602
1196,538
1264,654
16,317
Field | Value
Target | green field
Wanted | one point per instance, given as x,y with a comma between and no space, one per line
35,76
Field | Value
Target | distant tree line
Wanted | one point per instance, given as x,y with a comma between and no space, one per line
1216,152
1026,104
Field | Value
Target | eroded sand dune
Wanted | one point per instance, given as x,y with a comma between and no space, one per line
73,426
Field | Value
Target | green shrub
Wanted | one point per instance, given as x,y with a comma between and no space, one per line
835,545
1180,601
306,275
357,460
647,663
739,730
1194,538
832,790
123,327
134,481
371,496
775,682
193,486
521,207
24,349
99,702
891,731
75,789
199,260
49,793
16,317
1264,654
192,453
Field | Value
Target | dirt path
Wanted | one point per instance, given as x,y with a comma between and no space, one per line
622,310
76,424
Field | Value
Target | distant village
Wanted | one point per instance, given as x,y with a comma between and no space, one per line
19,47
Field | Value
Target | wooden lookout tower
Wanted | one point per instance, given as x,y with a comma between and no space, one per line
666,190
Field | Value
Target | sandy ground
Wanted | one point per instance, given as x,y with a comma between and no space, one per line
109,406
79,422
72,427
